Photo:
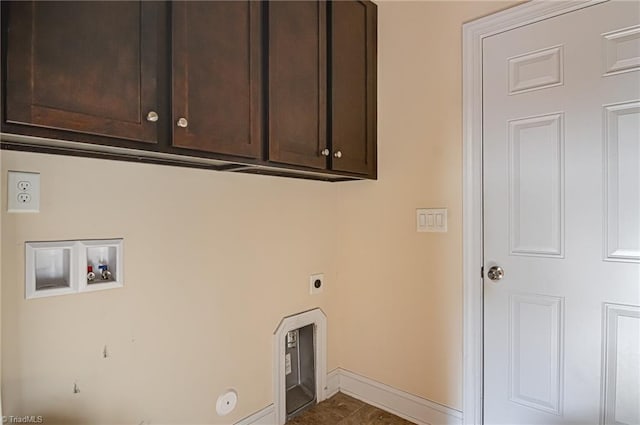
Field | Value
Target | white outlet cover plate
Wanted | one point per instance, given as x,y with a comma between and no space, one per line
20,184
312,279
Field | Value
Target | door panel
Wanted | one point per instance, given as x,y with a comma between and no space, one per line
84,66
621,369
562,218
622,172
297,82
536,348
353,86
536,171
217,76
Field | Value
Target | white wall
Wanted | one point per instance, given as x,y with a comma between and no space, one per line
401,301
214,260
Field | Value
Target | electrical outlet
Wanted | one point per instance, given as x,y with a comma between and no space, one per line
24,186
24,198
23,194
316,283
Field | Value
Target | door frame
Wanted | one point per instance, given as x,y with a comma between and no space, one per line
473,34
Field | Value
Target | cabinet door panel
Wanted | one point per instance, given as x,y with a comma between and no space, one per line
88,67
353,86
297,82
217,76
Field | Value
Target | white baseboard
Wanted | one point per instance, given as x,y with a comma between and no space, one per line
398,402
333,383
408,406
266,416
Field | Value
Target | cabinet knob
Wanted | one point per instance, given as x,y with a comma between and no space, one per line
182,122
324,152
338,154
152,116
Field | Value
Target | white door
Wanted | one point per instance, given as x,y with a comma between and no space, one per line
561,190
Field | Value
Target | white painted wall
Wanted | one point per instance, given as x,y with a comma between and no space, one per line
215,260
401,301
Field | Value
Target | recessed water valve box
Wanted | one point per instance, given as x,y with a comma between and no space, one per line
101,262
51,269
67,267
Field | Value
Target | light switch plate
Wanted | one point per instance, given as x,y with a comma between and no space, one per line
431,219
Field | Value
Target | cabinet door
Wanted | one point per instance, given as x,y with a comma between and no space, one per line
353,86
297,82
217,77
88,67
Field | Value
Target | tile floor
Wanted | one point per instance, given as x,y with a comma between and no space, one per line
344,410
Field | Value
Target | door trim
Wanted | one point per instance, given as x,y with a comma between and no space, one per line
473,34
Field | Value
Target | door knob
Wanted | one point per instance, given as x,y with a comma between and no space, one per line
182,122
338,154
495,273
324,152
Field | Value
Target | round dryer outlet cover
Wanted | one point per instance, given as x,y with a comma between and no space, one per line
226,402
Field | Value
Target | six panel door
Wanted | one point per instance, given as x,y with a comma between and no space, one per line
561,189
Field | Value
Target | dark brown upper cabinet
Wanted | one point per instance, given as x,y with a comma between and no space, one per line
353,87
88,67
270,87
297,86
217,77
322,85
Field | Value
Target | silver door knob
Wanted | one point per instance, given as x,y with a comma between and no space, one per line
182,122
495,273
338,154
152,116
324,152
